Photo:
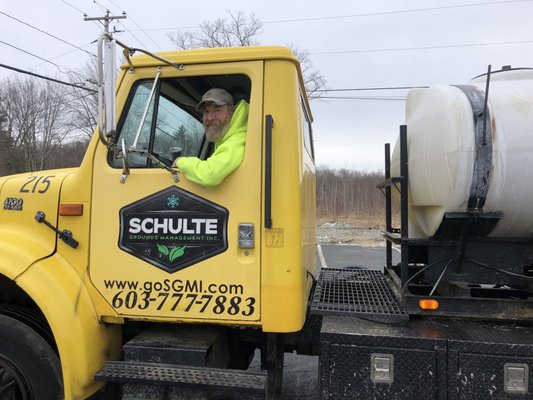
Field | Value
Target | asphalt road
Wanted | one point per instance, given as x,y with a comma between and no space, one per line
300,378
335,256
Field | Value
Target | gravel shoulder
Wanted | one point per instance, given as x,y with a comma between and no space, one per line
348,234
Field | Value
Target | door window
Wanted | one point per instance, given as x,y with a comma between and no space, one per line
167,123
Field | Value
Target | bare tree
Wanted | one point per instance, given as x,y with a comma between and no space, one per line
20,104
238,30
82,107
345,195
33,116
242,30
5,144
69,154
313,79
51,115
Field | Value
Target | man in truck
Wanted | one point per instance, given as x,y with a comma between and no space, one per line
225,126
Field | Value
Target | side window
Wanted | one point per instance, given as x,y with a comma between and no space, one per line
167,124
177,132
308,134
130,127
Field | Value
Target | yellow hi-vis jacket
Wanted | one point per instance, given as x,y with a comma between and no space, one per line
227,155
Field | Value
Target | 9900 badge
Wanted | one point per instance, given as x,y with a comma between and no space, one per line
13,203
173,229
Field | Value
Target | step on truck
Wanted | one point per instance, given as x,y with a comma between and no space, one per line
122,278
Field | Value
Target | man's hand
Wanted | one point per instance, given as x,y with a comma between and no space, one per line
174,164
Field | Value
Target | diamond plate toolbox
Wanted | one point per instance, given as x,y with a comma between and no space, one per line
439,359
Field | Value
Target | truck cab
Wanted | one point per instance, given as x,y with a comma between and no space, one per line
91,256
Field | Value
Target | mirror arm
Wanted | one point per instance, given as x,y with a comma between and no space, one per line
125,163
145,113
132,50
164,166
127,53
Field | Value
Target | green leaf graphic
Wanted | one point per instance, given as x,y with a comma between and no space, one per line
163,249
177,252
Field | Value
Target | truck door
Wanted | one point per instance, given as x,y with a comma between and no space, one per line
170,251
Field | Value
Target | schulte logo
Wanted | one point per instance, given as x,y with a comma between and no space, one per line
173,252
173,201
173,229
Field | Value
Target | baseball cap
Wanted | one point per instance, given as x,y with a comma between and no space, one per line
217,96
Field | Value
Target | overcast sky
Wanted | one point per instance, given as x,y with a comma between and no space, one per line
355,44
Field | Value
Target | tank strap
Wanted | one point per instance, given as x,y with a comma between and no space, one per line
483,141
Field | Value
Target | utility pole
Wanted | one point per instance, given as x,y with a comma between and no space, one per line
107,19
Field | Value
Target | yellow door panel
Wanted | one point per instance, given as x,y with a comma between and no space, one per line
169,251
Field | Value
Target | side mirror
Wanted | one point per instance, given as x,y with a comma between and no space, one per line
106,87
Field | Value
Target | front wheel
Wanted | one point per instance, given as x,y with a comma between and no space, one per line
29,368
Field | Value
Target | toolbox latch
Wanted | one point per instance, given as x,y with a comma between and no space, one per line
382,368
516,378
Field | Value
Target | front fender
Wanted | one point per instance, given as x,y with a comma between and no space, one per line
84,344
18,251
22,239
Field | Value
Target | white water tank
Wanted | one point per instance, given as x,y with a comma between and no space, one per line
449,161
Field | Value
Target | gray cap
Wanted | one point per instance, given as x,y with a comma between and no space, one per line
216,96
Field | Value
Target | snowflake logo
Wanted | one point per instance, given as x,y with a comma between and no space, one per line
173,201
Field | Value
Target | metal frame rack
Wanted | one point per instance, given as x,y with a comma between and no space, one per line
468,273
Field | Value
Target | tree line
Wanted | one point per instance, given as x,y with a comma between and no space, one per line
44,124
350,196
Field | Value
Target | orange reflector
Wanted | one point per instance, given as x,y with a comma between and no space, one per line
71,209
428,304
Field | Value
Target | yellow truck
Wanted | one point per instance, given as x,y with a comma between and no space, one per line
124,279
91,255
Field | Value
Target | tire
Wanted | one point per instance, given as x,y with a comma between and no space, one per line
29,368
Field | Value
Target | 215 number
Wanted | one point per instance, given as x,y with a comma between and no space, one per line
41,182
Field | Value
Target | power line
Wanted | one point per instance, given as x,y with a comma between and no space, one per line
137,25
373,88
394,12
375,98
62,55
135,37
280,21
142,30
69,52
107,10
77,9
167,29
46,33
34,55
46,77
420,48
104,9
74,7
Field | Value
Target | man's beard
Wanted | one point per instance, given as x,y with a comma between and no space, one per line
215,130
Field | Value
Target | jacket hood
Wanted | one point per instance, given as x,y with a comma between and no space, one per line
238,123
